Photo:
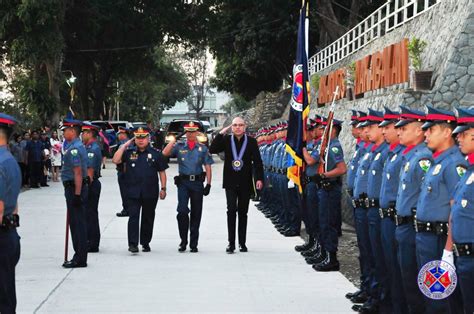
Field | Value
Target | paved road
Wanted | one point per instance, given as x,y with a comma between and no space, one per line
271,277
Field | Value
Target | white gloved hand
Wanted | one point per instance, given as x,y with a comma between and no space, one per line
448,257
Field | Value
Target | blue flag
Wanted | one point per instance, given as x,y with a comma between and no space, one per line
299,110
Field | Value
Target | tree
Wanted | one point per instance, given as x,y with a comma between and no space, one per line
236,104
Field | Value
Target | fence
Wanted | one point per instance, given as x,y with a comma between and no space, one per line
391,15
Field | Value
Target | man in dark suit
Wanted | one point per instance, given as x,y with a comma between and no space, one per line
242,162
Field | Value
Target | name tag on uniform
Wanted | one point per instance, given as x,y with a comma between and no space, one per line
377,157
436,170
470,179
394,158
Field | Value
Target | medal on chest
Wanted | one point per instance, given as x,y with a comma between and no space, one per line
134,156
237,162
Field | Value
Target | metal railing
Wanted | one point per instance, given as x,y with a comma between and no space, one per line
389,16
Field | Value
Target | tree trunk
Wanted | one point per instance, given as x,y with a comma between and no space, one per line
53,68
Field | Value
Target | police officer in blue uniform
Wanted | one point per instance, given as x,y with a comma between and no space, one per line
387,200
74,177
10,185
94,163
329,186
417,159
192,157
461,231
122,138
142,166
437,191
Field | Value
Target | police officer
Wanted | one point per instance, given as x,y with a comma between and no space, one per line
94,162
74,177
329,187
142,164
10,185
192,157
437,191
387,200
122,137
461,232
416,162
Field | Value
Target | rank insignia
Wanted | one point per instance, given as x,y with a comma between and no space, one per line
461,170
377,157
437,169
74,152
464,203
424,164
394,158
407,167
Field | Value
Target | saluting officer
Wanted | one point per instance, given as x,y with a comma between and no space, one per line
142,166
437,191
74,177
10,185
461,230
387,200
192,157
122,137
94,163
416,162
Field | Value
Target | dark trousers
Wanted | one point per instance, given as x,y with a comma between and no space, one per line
366,259
24,173
36,172
45,166
329,204
429,247
147,206
237,203
122,187
312,211
78,223
93,229
9,256
405,235
465,272
189,192
389,244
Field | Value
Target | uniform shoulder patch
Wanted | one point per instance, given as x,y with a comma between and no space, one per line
424,164
335,150
74,152
461,170
90,155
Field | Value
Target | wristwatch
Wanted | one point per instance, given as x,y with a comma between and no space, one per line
163,188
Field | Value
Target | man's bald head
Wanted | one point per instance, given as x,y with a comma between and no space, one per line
238,126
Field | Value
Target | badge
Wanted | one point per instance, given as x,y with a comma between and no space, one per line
394,158
74,152
366,156
388,176
377,157
374,172
90,155
362,172
437,169
404,186
437,279
463,203
149,156
355,154
470,179
237,164
335,150
407,166
352,167
461,170
133,165
200,149
429,188
424,164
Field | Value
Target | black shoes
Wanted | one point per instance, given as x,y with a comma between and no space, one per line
317,258
329,264
360,298
146,248
43,185
133,248
230,249
305,246
73,264
93,250
194,250
123,213
243,248
182,247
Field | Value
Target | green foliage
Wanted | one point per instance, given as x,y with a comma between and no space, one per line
314,81
416,47
237,104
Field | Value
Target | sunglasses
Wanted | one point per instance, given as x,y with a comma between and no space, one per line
141,136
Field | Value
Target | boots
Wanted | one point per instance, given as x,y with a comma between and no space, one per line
306,246
314,250
329,264
318,258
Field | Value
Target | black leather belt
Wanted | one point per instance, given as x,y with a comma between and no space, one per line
438,228
359,202
10,221
85,181
463,249
372,202
193,177
388,213
282,171
402,220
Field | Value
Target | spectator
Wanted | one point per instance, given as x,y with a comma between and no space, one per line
46,161
56,157
35,159
18,152
26,174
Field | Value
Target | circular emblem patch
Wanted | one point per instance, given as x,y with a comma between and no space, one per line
437,280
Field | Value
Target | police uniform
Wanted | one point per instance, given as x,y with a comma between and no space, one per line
10,185
121,177
387,200
191,160
75,155
416,162
94,161
462,219
141,170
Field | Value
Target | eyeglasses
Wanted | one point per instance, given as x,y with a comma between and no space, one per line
238,125
141,136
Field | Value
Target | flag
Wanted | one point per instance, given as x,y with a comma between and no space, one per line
299,111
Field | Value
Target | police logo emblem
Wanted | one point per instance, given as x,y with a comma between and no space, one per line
377,157
461,170
463,203
74,152
437,280
437,169
394,158
407,167
425,164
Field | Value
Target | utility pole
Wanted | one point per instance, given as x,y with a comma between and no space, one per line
117,102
